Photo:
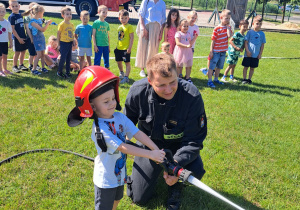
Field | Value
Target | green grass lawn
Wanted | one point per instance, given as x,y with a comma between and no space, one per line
251,153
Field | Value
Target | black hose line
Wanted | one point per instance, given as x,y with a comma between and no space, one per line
7,160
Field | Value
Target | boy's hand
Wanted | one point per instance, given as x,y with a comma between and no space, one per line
128,51
10,45
96,48
249,53
259,56
21,41
238,49
188,46
109,49
157,155
31,40
211,55
49,22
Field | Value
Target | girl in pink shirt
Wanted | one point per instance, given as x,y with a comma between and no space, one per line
52,52
171,28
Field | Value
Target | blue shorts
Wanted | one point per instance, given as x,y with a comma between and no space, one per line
217,60
39,42
105,197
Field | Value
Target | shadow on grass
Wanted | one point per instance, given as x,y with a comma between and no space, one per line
39,82
195,198
254,87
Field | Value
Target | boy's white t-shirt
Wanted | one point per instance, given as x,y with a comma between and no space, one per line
110,167
5,28
192,30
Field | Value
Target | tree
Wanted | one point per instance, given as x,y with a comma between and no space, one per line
284,2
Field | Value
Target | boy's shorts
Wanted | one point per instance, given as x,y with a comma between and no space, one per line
82,51
31,48
3,48
19,47
250,62
232,59
105,197
218,60
122,55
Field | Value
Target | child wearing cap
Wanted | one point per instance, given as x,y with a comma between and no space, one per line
98,98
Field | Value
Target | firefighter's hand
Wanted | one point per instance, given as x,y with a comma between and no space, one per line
170,180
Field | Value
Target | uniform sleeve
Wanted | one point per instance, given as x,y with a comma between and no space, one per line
194,133
131,109
111,140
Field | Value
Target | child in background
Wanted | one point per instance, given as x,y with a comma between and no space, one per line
171,28
101,37
83,35
236,46
29,40
218,48
36,27
193,28
5,41
254,46
124,45
183,53
52,52
18,36
74,57
65,36
165,48
110,173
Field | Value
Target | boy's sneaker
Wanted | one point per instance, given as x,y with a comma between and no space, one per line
38,68
223,79
211,85
232,80
45,70
204,71
218,82
60,74
16,69
249,81
121,75
36,72
30,67
125,80
142,73
245,81
23,68
68,75
2,74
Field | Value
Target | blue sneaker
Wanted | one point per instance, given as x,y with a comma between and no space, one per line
211,85
45,70
218,82
204,71
36,72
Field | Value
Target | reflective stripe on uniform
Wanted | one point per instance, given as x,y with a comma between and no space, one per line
173,136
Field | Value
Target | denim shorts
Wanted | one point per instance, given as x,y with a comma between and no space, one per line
39,41
218,60
31,48
84,51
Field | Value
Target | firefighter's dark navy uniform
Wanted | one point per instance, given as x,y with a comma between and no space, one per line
178,124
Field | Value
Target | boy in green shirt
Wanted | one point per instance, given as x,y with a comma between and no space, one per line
124,45
101,37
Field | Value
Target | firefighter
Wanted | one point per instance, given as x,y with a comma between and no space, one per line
171,112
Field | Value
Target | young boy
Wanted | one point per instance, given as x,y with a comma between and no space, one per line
101,37
236,46
83,34
254,46
5,41
124,45
18,36
219,46
65,37
97,95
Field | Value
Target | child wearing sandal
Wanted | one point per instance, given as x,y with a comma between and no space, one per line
5,41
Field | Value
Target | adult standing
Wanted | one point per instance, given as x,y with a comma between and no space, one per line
152,18
171,112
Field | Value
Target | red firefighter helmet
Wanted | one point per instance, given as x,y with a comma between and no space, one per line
90,79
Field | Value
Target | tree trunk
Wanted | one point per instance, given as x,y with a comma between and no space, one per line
283,13
263,9
192,4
